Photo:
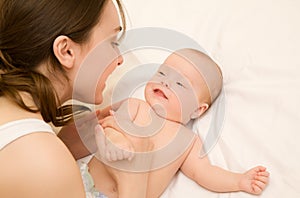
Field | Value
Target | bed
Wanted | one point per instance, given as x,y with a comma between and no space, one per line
256,43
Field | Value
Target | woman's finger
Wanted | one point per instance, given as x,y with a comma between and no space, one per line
100,140
113,155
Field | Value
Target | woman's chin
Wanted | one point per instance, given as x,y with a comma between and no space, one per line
98,100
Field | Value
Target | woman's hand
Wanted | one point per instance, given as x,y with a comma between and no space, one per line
112,145
255,180
110,122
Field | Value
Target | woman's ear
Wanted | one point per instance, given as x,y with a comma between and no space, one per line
64,50
199,111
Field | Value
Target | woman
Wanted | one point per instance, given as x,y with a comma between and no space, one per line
42,45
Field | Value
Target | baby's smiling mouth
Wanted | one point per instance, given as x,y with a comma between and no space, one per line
160,93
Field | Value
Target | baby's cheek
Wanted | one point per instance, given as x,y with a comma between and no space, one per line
176,109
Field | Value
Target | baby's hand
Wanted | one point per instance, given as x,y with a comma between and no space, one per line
255,180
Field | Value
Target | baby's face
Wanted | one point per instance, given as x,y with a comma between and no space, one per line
174,91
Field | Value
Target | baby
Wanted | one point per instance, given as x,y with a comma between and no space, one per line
153,138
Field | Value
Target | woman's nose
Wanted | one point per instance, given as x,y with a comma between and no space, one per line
120,60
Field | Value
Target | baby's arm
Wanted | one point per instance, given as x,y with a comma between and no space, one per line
217,179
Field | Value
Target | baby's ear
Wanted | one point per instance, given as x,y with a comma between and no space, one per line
199,111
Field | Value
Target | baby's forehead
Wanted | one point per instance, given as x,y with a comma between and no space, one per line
179,65
202,64
186,63
189,58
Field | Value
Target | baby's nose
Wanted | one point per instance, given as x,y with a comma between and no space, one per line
164,83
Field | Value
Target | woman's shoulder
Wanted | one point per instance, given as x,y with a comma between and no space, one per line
9,111
40,166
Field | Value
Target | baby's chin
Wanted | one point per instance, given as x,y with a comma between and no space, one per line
161,112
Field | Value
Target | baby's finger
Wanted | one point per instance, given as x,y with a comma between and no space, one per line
256,189
262,179
108,158
128,155
104,119
113,156
119,154
260,184
264,173
108,122
260,168
131,156
100,137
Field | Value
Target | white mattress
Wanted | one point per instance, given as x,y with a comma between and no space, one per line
256,44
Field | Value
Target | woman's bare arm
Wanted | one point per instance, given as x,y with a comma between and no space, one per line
39,165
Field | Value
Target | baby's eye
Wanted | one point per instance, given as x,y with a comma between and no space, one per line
115,44
180,84
161,73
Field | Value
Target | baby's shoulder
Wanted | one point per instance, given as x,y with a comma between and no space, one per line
134,107
134,102
131,103
138,103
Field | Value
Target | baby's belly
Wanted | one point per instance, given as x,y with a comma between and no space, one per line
157,159
149,184
149,173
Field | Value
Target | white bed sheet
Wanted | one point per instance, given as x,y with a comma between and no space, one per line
256,44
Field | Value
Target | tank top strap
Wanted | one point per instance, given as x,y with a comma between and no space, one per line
18,128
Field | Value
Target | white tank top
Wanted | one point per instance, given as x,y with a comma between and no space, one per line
15,129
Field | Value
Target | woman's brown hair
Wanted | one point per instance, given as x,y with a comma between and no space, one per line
28,29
